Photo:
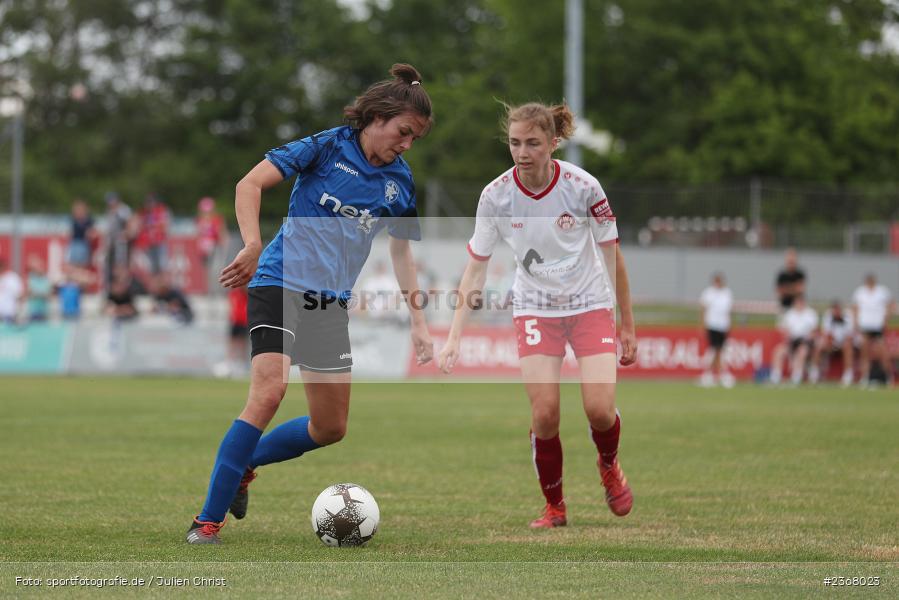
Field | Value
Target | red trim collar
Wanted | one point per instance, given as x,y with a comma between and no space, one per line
548,189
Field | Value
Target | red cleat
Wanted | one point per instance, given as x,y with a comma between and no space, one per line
553,516
618,493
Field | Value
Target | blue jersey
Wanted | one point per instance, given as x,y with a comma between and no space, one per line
338,205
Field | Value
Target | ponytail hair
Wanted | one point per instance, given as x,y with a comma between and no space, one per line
557,120
390,98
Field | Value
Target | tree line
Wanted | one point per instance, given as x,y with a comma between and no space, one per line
182,97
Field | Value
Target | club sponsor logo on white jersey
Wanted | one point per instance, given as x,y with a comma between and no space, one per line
391,191
601,209
536,266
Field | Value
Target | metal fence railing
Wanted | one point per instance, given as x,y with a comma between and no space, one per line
753,214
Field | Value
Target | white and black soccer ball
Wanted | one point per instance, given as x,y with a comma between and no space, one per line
345,514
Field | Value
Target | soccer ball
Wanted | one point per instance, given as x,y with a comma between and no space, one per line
345,514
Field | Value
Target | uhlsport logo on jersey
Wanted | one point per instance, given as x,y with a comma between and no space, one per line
391,191
364,216
346,169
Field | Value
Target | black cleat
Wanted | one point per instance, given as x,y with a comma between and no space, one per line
241,500
204,532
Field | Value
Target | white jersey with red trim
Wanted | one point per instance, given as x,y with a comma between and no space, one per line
554,235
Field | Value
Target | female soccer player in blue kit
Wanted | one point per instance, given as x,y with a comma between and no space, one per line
351,183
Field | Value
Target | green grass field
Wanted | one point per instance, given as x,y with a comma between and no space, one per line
751,492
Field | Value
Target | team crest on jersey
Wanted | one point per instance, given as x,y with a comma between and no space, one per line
391,191
565,221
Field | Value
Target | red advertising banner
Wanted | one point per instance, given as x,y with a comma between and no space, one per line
662,353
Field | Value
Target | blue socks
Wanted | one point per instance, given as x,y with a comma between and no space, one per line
242,447
230,463
287,440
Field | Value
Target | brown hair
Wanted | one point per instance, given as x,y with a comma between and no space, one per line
389,98
556,120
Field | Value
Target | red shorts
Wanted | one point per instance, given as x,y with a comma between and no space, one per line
588,333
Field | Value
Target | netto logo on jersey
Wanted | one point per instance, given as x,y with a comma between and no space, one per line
365,218
346,169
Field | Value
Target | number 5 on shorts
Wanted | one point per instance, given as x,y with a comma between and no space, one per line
533,334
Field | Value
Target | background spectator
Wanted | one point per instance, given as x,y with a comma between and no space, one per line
791,280
380,296
170,300
120,298
717,302
119,235
211,239
154,221
837,337
11,290
798,324
872,304
39,290
210,229
83,236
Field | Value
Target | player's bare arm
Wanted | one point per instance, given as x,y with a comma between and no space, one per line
247,200
626,331
472,283
407,278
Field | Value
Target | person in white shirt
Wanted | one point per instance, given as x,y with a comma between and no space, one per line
717,302
837,336
11,290
872,305
380,298
569,274
799,324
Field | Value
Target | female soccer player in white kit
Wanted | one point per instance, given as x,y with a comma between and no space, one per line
558,221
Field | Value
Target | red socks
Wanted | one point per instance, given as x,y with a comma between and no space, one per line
548,462
607,442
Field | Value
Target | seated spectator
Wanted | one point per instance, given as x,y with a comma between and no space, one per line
69,292
39,290
75,280
837,337
170,300
120,298
798,324
11,290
